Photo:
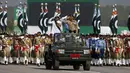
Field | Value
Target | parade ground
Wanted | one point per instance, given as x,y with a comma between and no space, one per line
63,69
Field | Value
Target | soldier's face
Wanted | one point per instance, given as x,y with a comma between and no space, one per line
71,18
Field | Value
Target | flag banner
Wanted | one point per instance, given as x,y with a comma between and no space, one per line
115,20
25,16
20,18
98,20
94,19
1,17
40,24
128,22
67,8
4,19
46,29
15,27
77,15
112,21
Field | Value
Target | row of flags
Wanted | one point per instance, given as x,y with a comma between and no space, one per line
22,17
3,16
96,21
44,22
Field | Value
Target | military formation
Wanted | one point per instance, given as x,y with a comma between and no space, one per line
23,48
29,49
109,50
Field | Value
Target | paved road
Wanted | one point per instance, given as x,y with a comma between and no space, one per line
63,69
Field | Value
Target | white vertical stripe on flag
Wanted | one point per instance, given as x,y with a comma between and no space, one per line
116,18
4,19
94,17
21,22
1,14
99,19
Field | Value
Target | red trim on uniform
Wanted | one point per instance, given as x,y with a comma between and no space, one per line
16,47
36,48
117,50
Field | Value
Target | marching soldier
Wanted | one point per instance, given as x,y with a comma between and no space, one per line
16,50
112,50
10,47
94,50
42,48
6,50
117,51
127,51
101,44
36,49
25,46
122,51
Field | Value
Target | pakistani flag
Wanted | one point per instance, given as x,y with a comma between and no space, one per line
25,22
77,15
20,19
128,22
4,19
46,29
111,24
94,20
115,20
1,17
40,24
98,19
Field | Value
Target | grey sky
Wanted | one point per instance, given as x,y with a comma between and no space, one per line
119,2
13,2
102,2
